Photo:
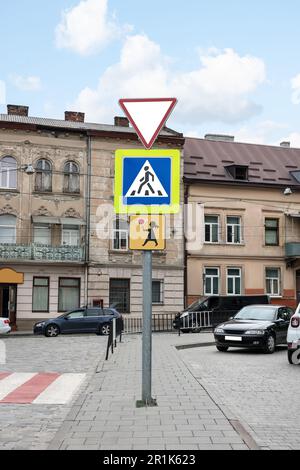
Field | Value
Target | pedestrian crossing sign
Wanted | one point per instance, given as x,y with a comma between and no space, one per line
147,232
147,181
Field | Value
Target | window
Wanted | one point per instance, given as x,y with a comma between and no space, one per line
71,178
76,314
238,172
43,176
273,281
8,228
94,312
70,235
233,230
157,292
40,294
234,281
119,294
211,281
272,232
120,234
8,173
42,234
211,229
68,294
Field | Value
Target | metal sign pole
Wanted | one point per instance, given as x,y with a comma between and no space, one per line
147,329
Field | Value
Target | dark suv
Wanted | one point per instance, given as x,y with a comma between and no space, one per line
220,309
79,320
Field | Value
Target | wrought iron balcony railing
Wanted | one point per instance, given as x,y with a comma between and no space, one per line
9,251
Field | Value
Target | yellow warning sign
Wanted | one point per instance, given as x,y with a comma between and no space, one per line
147,232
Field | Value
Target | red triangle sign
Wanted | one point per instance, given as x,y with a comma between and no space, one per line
148,116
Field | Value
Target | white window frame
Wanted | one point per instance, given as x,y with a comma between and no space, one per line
272,293
14,237
234,229
233,277
8,170
211,224
42,226
212,277
66,233
161,286
123,235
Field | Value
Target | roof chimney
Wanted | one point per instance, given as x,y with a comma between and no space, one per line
17,110
74,116
121,121
286,145
219,137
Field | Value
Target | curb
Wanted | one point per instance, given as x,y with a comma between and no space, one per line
194,345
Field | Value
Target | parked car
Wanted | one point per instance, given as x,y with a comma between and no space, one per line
293,337
255,326
80,320
4,326
220,308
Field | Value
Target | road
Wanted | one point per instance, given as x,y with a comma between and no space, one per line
262,391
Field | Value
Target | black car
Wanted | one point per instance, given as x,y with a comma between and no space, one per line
255,326
218,307
80,320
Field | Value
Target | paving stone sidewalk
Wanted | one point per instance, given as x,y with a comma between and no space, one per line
105,414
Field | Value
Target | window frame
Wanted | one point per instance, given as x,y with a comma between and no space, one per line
161,291
66,287
272,229
272,294
210,225
234,277
70,228
128,280
9,171
43,172
48,296
211,277
68,175
117,231
42,226
234,228
9,226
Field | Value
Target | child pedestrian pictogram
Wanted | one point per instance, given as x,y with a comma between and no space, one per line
147,232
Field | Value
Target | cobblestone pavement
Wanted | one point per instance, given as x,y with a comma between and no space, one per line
33,426
262,391
186,418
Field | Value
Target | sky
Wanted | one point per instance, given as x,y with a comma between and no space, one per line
234,66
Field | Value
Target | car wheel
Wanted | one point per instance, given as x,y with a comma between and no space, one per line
184,331
270,345
289,355
52,331
222,348
105,329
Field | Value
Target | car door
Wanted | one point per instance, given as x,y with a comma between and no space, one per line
74,322
92,319
283,319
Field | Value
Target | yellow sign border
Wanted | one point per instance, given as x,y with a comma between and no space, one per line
173,207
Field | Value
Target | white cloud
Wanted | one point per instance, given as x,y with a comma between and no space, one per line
86,28
295,83
265,132
217,90
293,138
26,83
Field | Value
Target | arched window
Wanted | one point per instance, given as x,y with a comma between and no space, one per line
8,224
120,234
43,176
8,173
71,178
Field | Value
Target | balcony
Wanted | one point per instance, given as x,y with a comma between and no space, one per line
41,253
292,249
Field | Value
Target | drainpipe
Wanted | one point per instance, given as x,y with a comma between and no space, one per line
88,218
186,200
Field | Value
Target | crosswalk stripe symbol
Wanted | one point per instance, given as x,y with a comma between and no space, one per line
146,184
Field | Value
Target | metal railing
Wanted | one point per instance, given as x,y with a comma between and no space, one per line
197,321
116,328
160,322
11,251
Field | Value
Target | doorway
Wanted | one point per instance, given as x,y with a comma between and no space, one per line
8,302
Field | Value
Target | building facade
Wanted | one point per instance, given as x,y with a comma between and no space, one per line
249,195
55,176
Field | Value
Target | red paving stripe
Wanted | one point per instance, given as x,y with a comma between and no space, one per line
3,375
31,389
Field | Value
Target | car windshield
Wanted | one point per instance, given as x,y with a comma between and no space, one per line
200,304
256,313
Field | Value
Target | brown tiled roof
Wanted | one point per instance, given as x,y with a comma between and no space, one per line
205,160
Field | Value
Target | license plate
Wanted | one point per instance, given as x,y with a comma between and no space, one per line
233,338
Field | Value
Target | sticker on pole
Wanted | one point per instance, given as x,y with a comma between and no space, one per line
148,116
147,232
147,181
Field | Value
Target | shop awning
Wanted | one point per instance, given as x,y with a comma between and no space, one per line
57,220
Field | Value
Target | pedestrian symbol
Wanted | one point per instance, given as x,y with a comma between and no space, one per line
147,232
146,184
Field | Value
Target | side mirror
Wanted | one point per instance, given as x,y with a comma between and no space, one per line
66,318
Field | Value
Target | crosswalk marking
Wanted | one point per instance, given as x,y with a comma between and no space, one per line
38,388
61,390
